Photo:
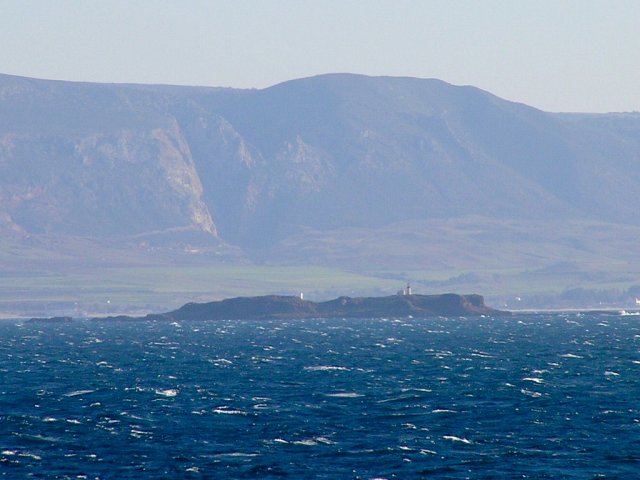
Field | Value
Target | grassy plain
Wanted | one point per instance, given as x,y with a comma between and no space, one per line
514,264
153,289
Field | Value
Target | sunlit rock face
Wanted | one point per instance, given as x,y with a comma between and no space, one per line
257,168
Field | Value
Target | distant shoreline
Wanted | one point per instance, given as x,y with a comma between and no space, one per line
292,307
274,314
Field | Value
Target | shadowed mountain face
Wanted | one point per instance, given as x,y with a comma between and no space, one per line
256,167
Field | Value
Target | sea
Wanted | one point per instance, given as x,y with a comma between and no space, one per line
538,396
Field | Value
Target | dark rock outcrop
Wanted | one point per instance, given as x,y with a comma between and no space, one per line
288,307
50,320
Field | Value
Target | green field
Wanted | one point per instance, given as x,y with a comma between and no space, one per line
146,289
141,290
513,264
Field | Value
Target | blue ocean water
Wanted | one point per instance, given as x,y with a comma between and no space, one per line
528,396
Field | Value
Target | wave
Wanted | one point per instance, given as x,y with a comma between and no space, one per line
169,392
453,438
77,393
326,368
343,395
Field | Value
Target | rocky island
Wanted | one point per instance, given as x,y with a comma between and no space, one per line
292,307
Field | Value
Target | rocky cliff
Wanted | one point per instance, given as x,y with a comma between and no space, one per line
330,169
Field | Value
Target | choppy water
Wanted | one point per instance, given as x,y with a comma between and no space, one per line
531,396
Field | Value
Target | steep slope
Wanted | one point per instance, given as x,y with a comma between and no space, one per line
347,150
95,160
261,168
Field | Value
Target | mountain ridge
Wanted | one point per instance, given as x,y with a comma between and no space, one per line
306,168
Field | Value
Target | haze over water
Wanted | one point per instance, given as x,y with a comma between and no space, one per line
530,396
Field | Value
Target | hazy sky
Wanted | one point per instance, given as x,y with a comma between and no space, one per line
558,55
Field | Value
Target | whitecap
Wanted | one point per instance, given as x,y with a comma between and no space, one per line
326,368
131,415
30,455
9,452
236,454
423,390
324,440
571,355
308,442
424,451
227,411
443,410
344,395
533,379
76,393
609,373
220,361
481,354
529,393
457,439
169,392
135,389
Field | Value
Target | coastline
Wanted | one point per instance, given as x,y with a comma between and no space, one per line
291,307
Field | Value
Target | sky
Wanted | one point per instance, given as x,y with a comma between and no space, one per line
560,55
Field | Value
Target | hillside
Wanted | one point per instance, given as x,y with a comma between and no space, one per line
385,176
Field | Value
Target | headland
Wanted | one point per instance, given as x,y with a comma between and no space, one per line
292,307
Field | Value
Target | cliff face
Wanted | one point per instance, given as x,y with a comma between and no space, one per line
289,172
84,160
